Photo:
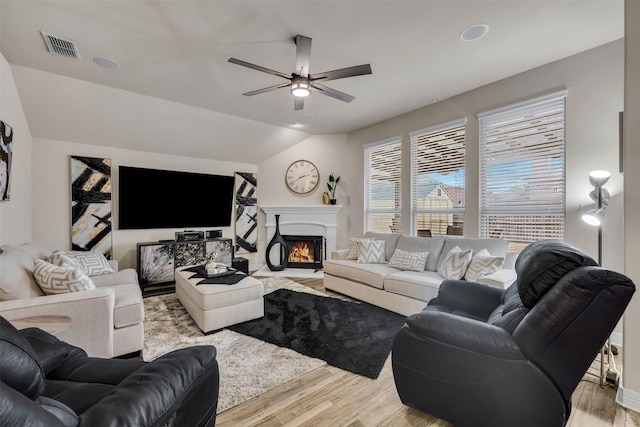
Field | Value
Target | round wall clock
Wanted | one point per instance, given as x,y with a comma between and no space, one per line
302,177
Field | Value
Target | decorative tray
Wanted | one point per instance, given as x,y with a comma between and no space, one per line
203,272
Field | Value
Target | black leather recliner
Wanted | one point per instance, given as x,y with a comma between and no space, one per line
483,356
46,382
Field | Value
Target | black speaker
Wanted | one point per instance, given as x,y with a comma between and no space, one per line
211,234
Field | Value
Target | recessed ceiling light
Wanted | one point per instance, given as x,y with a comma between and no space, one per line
295,124
106,63
474,32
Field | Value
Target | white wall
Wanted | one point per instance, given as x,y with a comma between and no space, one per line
15,214
52,188
629,391
594,80
327,153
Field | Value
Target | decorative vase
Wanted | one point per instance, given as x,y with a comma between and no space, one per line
333,201
283,250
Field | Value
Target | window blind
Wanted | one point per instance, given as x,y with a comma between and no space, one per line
522,171
437,179
382,186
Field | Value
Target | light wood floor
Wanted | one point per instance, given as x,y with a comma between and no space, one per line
329,396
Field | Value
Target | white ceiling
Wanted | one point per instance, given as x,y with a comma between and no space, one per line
177,94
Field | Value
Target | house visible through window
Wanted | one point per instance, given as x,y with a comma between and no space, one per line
522,171
382,182
437,179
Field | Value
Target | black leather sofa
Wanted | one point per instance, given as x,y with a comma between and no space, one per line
46,382
483,356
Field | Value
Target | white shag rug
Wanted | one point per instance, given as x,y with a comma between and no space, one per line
248,367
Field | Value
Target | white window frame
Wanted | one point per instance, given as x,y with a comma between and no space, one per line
415,141
535,209
369,149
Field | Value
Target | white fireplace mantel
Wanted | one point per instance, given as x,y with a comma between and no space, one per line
317,220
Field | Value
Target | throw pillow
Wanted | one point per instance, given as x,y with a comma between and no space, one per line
92,263
59,257
354,246
455,263
482,264
413,261
372,251
57,279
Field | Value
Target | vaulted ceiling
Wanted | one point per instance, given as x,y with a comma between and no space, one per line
176,92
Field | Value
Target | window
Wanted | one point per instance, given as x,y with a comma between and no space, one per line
522,171
437,179
382,189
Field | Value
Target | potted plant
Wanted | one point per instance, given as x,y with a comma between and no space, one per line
332,185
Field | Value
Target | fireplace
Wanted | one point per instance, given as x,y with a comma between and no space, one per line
305,251
318,222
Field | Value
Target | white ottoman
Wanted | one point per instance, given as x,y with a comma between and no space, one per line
214,307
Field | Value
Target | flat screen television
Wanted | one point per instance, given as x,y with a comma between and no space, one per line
154,198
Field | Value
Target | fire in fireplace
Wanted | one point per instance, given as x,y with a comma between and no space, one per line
305,251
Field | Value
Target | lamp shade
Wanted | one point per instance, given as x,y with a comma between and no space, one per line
604,196
599,177
594,217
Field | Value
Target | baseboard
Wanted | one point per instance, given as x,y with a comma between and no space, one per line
616,339
629,399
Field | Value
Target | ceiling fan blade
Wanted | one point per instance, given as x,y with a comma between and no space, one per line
298,103
259,68
358,70
266,89
303,55
333,93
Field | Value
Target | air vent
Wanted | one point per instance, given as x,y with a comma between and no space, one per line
59,46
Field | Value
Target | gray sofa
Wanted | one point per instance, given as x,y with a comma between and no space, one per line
105,322
407,292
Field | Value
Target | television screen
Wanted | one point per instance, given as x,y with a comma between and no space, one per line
153,198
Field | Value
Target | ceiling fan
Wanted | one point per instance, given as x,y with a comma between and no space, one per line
301,82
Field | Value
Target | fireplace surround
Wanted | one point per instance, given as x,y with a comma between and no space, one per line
304,220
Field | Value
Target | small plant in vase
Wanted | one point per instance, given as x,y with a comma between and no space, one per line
332,185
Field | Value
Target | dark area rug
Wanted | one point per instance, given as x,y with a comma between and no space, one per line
353,336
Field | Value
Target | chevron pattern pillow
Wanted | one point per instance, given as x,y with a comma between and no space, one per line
412,261
455,263
58,279
372,252
354,246
92,263
482,264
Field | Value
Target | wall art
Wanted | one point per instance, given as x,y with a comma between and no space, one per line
91,204
6,153
246,212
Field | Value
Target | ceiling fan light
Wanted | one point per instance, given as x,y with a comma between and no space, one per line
300,87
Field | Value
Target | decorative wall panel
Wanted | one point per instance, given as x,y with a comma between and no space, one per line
6,152
91,204
246,212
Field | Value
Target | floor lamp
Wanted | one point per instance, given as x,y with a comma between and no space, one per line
595,217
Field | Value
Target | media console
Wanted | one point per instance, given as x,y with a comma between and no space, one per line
157,261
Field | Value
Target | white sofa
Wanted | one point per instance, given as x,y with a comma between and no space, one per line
106,321
407,292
